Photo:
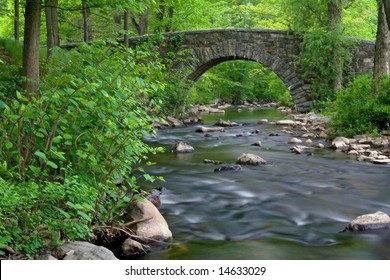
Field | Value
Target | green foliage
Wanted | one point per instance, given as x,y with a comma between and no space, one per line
239,81
359,111
91,113
34,217
319,51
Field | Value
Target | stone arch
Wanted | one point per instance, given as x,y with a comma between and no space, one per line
207,57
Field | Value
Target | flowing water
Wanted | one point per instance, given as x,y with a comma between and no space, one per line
292,208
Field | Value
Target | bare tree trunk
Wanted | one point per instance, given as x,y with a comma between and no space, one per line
17,20
86,11
168,27
387,10
335,14
126,28
53,39
31,46
382,47
143,21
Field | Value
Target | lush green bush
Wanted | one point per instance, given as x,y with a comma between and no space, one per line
63,149
358,110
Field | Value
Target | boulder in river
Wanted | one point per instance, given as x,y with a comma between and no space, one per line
378,220
181,147
250,159
205,129
148,224
295,140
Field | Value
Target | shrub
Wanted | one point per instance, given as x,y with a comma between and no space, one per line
64,148
359,111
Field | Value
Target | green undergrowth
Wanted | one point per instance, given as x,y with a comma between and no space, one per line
357,110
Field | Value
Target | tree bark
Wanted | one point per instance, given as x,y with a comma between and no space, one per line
143,21
32,30
382,47
53,39
126,28
387,10
86,11
335,15
17,20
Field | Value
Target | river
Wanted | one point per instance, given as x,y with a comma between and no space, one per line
292,208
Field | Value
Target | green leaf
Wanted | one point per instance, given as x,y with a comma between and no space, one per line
52,164
66,215
41,155
84,216
119,81
8,145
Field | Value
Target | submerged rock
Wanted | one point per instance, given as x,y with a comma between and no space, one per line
250,159
210,161
378,220
224,168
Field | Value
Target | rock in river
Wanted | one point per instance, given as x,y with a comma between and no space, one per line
250,159
148,224
226,167
181,147
378,220
205,129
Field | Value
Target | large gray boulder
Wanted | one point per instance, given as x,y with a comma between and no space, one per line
250,159
81,250
147,222
378,220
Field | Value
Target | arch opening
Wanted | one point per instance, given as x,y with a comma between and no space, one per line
238,80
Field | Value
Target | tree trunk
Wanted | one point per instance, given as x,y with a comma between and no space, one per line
387,10
32,30
53,39
126,28
382,47
335,14
168,27
142,25
86,11
17,20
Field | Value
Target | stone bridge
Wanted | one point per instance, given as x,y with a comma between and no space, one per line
275,49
